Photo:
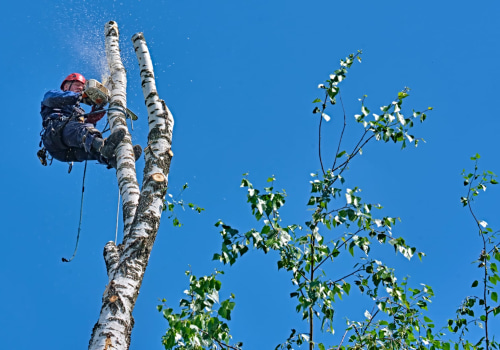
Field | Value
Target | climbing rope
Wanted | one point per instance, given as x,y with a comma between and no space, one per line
117,109
124,111
81,212
117,213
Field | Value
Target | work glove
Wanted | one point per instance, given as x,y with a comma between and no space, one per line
95,117
86,100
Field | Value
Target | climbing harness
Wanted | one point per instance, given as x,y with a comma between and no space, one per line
42,152
42,155
81,212
57,135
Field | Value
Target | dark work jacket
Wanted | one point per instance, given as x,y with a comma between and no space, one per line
60,110
57,104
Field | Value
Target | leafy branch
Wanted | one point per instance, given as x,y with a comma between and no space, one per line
200,323
169,205
476,183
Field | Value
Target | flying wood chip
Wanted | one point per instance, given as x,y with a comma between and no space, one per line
113,298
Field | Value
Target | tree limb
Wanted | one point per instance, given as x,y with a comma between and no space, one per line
126,264
125,172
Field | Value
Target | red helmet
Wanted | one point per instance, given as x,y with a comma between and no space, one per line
73,77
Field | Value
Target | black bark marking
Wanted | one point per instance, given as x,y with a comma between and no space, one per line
137,36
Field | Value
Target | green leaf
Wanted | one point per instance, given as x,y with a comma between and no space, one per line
316,100
493,267
494,297
346,287
176,222
474,284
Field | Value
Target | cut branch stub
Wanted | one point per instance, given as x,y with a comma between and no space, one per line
158,177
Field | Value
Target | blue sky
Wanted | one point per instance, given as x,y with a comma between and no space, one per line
239,78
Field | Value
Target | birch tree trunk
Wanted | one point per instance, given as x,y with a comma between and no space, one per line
142,210
117,84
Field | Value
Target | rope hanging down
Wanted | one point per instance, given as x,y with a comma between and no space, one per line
127,115
117,213
81,211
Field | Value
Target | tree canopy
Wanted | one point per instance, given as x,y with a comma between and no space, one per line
329,257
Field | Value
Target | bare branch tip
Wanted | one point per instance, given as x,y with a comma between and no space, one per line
138,36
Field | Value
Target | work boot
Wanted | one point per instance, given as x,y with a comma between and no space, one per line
137,151
95,147
110,144
97,144
112,163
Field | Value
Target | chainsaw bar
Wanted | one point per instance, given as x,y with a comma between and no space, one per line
99,95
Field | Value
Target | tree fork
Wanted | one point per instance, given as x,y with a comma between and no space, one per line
126,264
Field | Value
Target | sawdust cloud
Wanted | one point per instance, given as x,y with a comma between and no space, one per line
82,24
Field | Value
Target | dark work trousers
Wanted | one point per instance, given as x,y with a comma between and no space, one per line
71,141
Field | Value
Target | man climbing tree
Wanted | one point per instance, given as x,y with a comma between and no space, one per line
69,134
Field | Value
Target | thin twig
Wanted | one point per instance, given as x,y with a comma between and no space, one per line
319,132
359,335
221,344
342,133
336,210
311,315
340,246
302,274
348,275
354,152
495,308
342,340
371,319
494,247
482,258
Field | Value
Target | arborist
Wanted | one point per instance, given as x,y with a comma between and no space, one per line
69,134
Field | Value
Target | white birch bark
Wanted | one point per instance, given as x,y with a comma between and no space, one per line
125,172
161,123
127,263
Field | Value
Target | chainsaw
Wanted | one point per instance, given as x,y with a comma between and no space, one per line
98,95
